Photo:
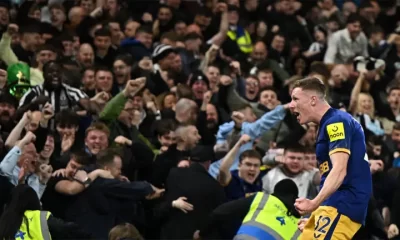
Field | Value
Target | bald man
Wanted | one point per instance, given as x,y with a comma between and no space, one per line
187,137
75,16
85,56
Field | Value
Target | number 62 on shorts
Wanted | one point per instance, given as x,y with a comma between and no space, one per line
326,223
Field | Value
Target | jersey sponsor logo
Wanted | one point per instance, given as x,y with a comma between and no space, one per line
335,131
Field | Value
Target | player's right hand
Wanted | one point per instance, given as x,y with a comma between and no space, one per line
305,206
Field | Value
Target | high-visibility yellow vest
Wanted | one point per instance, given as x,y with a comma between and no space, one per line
243,42
267,219
36,222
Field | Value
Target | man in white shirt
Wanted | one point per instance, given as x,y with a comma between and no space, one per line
293,167
348,43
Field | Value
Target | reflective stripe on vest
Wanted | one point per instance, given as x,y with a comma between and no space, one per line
267,220
243,42
37,224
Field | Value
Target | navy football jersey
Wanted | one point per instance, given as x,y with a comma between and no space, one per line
340,132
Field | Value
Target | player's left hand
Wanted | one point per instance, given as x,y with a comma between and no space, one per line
305,206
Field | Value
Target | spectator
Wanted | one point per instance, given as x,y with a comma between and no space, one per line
348,43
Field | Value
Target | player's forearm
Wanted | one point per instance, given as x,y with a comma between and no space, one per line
331,184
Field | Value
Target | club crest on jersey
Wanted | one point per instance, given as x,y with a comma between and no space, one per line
335,131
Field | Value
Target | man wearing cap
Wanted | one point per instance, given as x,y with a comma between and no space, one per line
199,84
198,188
261,216
163,57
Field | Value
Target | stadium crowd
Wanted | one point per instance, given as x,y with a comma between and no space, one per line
145,119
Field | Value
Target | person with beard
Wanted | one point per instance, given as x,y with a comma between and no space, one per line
164,22
187,137
85,56
30,40
60,95
213,119
88,83
231,218
8,106
122,68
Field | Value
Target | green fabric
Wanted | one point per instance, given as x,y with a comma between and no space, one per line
111,112
113,108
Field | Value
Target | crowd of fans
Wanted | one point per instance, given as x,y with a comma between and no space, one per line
136,119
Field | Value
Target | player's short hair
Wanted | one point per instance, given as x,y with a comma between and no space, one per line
251,153
311,84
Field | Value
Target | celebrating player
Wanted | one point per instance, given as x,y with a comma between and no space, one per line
340,208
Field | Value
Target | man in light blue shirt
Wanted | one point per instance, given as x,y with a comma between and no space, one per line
20,165
253,129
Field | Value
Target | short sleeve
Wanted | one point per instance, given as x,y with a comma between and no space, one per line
339,135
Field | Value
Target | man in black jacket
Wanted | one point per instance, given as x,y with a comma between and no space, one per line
200,190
